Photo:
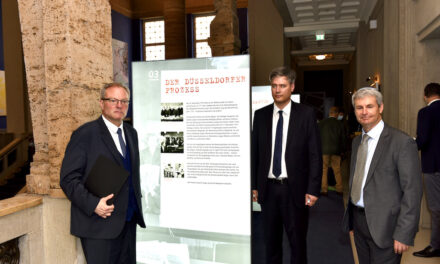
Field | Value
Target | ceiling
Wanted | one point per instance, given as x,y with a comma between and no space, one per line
337,19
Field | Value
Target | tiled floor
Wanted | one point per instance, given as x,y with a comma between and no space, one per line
422,240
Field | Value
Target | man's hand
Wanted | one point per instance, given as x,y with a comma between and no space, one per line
104,210
254,195
310,200
399,248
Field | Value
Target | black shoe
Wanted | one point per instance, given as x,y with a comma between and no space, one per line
428,252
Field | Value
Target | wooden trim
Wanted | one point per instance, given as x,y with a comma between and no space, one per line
8,148
120,9
201,7
146,14
19,203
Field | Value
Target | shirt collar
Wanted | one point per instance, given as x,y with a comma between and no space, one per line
286,109
111,126
433,101
375,132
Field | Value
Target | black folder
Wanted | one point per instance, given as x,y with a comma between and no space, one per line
106,177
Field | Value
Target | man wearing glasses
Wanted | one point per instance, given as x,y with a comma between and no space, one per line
107,229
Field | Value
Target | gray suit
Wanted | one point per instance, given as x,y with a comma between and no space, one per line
392,191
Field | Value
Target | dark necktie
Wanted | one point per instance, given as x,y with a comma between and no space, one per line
276,166
121,143
359,171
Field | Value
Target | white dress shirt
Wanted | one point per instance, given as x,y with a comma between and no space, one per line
114,133
286,117
433,101
374,134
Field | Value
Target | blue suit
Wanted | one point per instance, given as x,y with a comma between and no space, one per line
428,137
428,142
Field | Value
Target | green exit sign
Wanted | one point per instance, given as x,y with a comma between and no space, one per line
320,36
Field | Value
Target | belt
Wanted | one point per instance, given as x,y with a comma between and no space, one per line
278,181
358,209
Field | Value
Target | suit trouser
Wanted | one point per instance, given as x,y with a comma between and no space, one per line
432,187
335,162
120,250
368,252
279,211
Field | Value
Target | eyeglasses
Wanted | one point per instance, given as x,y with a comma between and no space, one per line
114,101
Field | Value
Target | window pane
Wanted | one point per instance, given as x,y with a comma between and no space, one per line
203,50
154,32
155,52
202,27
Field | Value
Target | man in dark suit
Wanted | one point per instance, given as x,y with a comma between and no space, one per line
286,167
428,141
385,185
107,232
333,144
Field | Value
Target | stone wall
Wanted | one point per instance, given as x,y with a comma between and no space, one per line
68,56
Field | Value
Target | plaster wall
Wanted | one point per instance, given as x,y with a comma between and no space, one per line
422,67
370,49
426,10
28,226
59,245
266,40
404,63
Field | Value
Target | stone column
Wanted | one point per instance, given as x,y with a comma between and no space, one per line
224,39
68,56
175,37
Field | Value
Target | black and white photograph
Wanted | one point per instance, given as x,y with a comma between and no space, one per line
171,142
176,171
171,112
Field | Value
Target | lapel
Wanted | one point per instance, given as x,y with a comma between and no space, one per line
268,119
109,143
130,144
292,125
381,146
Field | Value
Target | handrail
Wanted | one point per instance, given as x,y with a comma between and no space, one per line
13,144
13,156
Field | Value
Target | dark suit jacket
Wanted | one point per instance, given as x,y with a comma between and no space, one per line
303,152
428,137
392,191
86,144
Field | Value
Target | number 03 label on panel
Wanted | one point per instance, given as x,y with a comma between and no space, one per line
153,75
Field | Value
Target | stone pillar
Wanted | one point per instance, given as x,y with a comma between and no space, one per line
175,37
68,56
224,39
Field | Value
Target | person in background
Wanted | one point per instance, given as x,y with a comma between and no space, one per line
333,144
428,142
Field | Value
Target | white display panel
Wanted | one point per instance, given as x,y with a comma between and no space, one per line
192,118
